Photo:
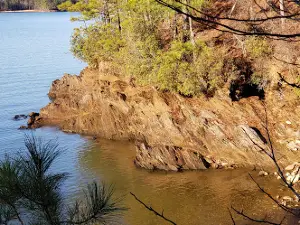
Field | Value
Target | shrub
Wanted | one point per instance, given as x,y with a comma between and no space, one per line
65,6
259,79
208,68
172,68
136,58
258,47
188,69
89,9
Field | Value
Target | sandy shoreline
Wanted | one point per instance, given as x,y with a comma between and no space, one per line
28,11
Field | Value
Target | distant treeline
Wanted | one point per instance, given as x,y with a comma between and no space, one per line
29,4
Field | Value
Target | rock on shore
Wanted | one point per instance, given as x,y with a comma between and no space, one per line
173,132
33,121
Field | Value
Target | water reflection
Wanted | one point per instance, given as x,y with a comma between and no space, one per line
194,197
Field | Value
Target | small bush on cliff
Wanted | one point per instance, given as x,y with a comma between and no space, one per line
258,47
30,192
171,68
136,58
189,69
209,68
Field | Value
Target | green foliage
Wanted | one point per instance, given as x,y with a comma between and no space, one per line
96,43
90,9
188,69
30,192
258,47
297,91
66,6
172,68
142,39
295,73
256,79
260,79
136,58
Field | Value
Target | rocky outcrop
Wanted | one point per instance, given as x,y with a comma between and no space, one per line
173,132
33,121
20,117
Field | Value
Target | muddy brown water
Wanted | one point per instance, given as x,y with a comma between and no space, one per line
190,197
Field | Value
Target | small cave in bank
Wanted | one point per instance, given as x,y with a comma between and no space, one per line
245,90
243,86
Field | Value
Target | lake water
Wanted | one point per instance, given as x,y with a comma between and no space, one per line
34,51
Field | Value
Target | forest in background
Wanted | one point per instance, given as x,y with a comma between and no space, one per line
29,4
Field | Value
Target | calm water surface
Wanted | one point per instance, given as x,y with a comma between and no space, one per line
34,50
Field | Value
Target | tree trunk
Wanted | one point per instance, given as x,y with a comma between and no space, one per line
188,33
119,21
191,31
175,31
185,26
106,13
282,13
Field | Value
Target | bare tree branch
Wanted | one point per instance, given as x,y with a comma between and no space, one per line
285,208
290,63
161,215
289,185
218,23
231,216
241,212
288,83
272,156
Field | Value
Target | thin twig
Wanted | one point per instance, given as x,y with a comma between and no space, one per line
231,216
161,215
288,83
273,157
290,63
271,154
285,208
255,220
217,21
